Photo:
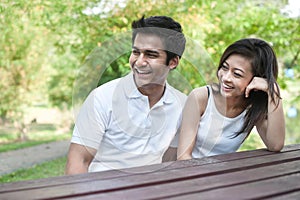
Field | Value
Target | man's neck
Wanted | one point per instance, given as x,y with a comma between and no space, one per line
154,92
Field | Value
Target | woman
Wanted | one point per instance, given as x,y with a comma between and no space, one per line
217,118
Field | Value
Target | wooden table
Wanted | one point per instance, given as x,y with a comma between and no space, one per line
257,174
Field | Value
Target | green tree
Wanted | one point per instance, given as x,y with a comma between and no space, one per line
21,61
52,49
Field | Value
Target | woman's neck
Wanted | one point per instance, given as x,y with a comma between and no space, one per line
230,107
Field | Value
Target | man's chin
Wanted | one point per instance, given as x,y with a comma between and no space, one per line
146,82
149,85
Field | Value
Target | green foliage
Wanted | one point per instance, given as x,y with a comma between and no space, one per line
60,83
252,142
64,35
54,52
21,59
116,69
292,126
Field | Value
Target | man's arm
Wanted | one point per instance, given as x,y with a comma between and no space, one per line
170,154
79,159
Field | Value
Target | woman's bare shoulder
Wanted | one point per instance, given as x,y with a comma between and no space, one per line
200,98
200,93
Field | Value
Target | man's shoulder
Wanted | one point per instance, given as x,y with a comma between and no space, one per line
108,86
114,82
180,95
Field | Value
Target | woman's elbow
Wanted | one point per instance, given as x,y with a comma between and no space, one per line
276,143
276,147
184,156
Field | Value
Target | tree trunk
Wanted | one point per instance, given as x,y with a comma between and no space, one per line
22,127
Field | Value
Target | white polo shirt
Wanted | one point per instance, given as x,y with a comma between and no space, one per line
116,119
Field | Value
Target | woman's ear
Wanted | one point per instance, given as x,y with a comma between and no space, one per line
174,62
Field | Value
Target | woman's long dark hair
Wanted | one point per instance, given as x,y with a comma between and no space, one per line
264,64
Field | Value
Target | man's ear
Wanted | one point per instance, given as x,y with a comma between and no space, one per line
174,62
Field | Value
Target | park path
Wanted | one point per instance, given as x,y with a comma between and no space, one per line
24,158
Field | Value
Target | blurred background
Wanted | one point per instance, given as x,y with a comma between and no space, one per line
52,54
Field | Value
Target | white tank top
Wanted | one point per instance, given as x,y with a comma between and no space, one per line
216,132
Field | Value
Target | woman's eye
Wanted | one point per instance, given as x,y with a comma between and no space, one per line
224,67
237,75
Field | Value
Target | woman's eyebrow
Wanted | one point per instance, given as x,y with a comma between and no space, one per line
235,68
225,63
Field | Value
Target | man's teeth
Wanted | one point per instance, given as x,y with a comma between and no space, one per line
142,72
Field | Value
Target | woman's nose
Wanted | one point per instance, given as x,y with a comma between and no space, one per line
227,76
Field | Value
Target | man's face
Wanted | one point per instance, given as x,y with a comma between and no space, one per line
148,60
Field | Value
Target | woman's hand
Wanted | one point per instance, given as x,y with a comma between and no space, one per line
272,128
256,84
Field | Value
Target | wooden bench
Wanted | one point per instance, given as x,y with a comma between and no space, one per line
258,174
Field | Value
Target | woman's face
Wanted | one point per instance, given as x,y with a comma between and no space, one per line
234,76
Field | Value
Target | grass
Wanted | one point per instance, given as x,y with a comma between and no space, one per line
37,134
20,145
45,170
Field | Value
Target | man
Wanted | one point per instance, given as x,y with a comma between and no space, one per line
132,120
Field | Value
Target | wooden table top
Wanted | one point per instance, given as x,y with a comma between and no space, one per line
258,174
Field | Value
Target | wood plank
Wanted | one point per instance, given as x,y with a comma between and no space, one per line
82,178
59,180
289,196
256,190
173,189
159,177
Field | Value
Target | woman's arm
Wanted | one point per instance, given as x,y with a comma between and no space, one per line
192,111
272,129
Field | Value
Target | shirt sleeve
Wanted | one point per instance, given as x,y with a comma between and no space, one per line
174,142
91,122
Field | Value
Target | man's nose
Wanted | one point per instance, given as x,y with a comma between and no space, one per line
141,60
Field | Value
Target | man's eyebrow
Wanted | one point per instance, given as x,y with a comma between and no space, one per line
152,51
147,50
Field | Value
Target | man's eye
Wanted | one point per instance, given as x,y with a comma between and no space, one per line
152,55
135,52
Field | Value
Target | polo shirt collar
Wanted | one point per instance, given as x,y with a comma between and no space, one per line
131,90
